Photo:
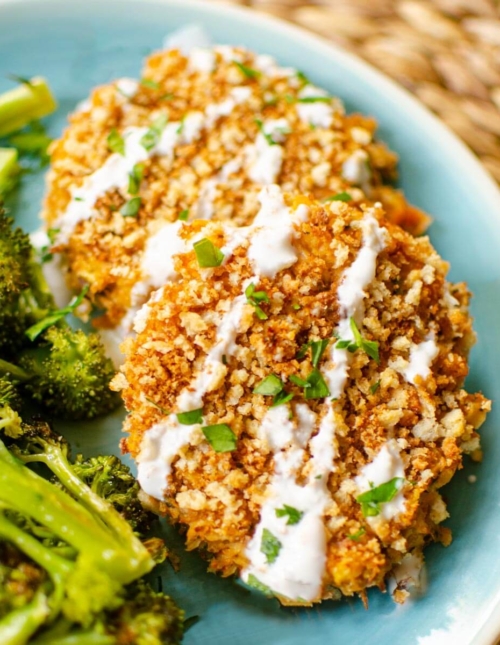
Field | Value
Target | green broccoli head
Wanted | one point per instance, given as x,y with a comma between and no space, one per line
70,374
20,578
10,421
24,296
112,480
146,618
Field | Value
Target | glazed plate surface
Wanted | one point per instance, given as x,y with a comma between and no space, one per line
79,44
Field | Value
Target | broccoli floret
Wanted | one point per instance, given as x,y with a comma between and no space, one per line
86,551
64,370
70,374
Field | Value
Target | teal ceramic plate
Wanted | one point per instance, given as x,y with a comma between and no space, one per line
77,44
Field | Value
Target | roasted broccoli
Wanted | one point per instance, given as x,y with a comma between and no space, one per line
64,370
81,559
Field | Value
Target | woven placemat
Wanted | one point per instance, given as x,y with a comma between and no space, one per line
447,52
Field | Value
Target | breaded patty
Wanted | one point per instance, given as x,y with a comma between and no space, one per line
197,138
297,403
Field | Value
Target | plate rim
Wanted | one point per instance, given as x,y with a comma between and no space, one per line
489,631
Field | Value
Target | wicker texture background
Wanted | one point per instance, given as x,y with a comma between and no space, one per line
447,52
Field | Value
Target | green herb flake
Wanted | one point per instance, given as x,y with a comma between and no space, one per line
355,537
131,208
255,298
45,253
268,137
167,97
296,307
294,515
374,387
370,347
184,215
135,178
270,546
296,380
152,136
54,316
190,418
302,78
317,388
270,386
372,499
207,254
224,359
180,128
317,349
149,83
220,437
78,199
247,71
281,398
315,99
116,143
303,351
339,197
254,582
158,407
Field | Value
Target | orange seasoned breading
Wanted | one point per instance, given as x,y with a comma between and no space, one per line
340,154
219,496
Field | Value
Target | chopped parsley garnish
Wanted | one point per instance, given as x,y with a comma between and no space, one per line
273,386
370,347
166,97
191,417
296,380
254,582
339,197
131,208
267,136
220,437
270,386
35,330
255,298
374,387
372,499
152,136
317,349
184,215
180,128
207,254
314,99
159,407
78,199
152,85
281,398
116,143
45,253
247,71
135,178
355,537
294,515
302,78
316,386
296,307
270,546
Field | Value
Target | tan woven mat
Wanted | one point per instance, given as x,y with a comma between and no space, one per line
447,52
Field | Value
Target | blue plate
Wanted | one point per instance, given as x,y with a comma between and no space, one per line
79,44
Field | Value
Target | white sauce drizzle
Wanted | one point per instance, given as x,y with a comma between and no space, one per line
386,465
201,60
114,173
351,294
265,159
356,170
127,87
421,357
319,114
158,451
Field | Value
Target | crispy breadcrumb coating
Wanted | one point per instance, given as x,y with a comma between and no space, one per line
218,496
338,155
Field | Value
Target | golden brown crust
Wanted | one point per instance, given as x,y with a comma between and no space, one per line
105,250
218,496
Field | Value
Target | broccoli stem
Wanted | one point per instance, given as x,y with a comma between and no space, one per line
9,168
25,103
9,368
30,494
54,458
17,627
